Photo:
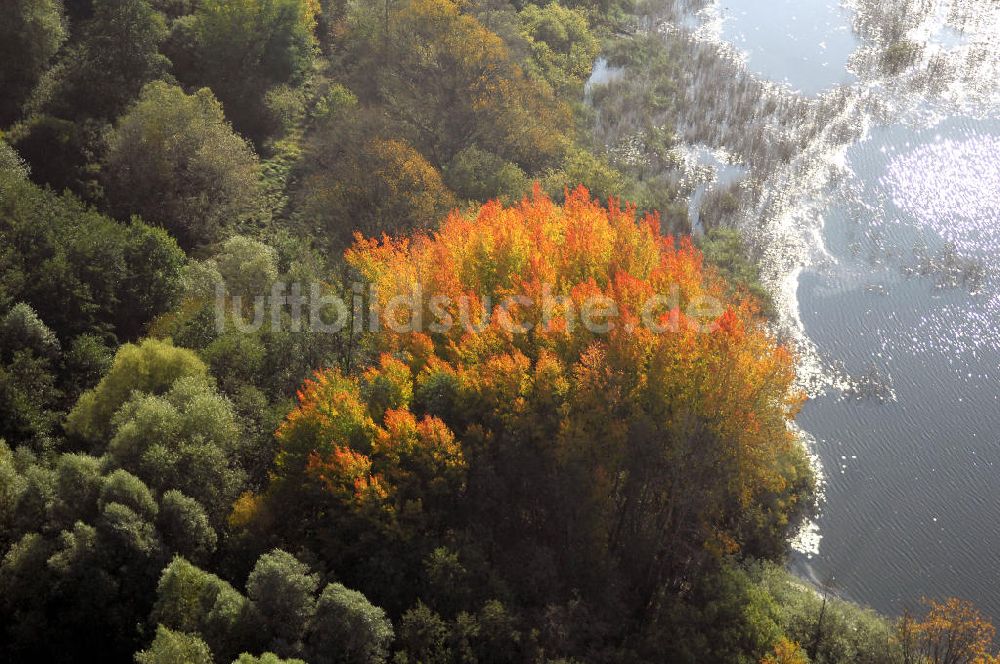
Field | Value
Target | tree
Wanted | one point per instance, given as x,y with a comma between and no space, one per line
786,652
174,160
348,629
31,34
100,73
78,483
185,527
62,153
126,489
170,647
101,560
266,658
185,439
12,167
12,485
582,167
87,359
282,591
104,70
248,267
954,632
22,329
191,600
654,468
152,367
424,635
29,395
477,175
726,250
80,271
451,83
373,186
562,46
244,48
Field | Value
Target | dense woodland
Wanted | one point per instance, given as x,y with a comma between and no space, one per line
176,491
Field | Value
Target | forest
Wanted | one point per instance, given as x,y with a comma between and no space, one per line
186,477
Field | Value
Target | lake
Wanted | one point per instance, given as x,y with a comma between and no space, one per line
863,139
894,288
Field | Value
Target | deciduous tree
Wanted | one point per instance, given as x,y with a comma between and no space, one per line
174,160
31,34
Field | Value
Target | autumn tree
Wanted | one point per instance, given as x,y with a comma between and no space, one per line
374,186
786,652
952,632
658,444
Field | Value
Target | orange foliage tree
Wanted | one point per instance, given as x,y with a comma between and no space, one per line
558,389
786,652
952,632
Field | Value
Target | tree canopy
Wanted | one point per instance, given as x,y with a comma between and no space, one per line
173,160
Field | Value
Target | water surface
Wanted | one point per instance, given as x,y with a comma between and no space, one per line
889,250
803,44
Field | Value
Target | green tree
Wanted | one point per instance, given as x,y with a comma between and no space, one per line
152,367
114,54
581,167
477,175
126,489
104,70
191,600
29,395
243,48
22,329
174,160
12,485
30,35
249,267
266,658
88,358
170,647
12,167
348,629
424,636
80,271
185,527
78,483
726,249
282,590
563,48
186,439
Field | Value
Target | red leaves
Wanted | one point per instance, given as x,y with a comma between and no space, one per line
694,381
